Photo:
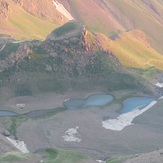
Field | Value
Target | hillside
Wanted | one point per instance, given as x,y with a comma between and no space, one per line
87,52
67,60
21,21
73,62
21,18
114,16
133,49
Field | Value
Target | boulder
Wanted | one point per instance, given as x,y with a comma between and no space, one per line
6,133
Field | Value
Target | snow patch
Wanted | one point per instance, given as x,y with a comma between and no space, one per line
62,10
71,135
21,106
2,47
125,119
161,98
100,161
17,42
159,85
19,145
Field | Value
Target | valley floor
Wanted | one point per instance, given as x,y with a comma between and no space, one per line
96,142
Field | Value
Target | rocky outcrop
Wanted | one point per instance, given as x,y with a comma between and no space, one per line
4,9
14,58
6,133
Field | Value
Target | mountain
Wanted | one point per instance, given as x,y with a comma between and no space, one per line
116,35
133,49
51,51
112,16
29,19
22,18
71,57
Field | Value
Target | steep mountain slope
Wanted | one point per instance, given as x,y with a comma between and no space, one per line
35,19
111,16
44,9
134,50
71,58
29,19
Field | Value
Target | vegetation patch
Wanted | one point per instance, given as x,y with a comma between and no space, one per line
63,156
66,28
12,157
135,53
15,122
8,49
118,159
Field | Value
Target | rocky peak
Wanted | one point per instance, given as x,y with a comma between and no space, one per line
74,35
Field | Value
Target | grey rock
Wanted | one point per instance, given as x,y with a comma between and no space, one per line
6,133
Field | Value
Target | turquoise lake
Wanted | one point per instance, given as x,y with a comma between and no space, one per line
97,100
135,102
101,100
93,100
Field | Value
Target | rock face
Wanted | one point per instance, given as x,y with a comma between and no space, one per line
14,57
72,33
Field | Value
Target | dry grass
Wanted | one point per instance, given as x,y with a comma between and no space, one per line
135,52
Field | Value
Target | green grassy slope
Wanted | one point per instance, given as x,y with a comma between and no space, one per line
135,52
22,25
63,156
144,18
50,155
67,30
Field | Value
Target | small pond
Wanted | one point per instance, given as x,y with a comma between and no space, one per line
96,100
135,102
93,100
4,113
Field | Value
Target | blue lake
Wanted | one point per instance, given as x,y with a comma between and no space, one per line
74,104
98,100
4,113
94,100
135,102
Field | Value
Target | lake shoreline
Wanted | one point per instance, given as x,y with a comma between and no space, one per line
125,119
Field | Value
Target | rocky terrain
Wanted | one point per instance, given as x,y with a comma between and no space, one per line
113,17
52,51
151,157
73,52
